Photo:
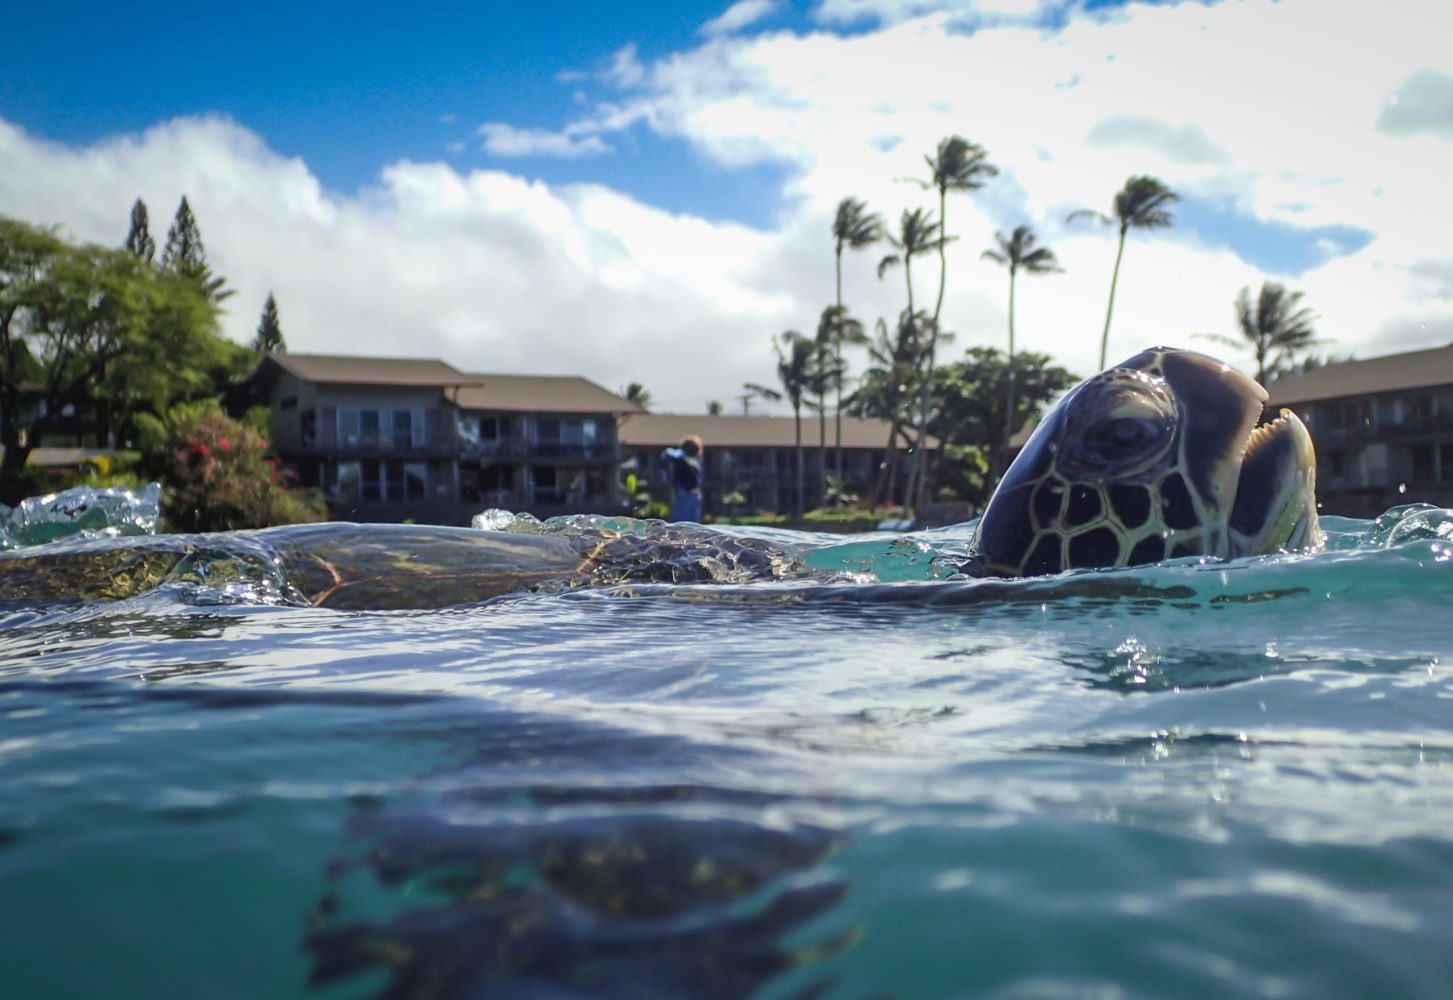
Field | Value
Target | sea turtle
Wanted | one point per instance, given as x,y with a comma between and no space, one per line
1156,458
391,566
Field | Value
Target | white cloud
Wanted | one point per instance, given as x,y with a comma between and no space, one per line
739,15
625,68
1184,143
507,140
1421,105
1229,103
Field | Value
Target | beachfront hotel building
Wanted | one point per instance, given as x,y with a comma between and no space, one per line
394,439
1383,428
750,462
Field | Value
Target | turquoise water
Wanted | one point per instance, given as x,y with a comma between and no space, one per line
1186,780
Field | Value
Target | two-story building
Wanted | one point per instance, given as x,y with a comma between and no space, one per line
1383,429
754,458
393,439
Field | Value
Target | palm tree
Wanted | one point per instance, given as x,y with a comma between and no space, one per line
853,228
1018,253
1140,204
887,388
1276,326
797,371
958,165
918,233
835,330
639,394
713,409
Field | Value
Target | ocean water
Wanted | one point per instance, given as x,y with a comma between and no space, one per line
1189,780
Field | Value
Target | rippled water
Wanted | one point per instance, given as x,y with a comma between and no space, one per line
1187,780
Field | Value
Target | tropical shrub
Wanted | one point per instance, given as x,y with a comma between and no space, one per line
216,474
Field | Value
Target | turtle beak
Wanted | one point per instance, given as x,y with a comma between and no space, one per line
1276,492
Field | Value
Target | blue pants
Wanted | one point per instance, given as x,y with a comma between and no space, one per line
686,506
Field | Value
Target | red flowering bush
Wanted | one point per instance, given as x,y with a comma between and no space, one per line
216,475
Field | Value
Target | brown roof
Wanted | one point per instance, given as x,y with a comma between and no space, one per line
352,370
657,430
1413,370
540,394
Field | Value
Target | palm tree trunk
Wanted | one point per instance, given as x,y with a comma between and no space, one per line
1109,309
822,445
838,360
918,478
1009,403
838,423
801,481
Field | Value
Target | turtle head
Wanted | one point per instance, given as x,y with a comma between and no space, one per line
1156,458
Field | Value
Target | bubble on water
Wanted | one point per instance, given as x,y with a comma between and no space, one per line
1427,524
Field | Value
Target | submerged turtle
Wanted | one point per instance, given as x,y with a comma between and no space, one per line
388,566
1157,458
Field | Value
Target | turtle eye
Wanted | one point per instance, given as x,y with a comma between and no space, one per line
1124,434
1117,427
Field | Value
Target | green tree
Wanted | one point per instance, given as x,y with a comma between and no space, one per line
885,389
1276,325
1018,253
853,228
138,239
957,165
90,331
1140,204
835,330
269,330
184,254
797,371
918,233
713,408
969,410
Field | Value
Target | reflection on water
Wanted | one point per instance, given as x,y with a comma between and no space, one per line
1196,779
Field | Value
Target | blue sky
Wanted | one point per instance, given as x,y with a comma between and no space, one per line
469,180
350,87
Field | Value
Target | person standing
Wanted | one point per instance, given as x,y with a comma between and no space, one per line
683,466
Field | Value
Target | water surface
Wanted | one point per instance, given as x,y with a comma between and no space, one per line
1195,779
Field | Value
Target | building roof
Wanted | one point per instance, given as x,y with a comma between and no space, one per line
353,370
658,430
1392,372
540,394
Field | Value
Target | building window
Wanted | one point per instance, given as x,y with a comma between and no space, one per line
403,428
469,488
433,428
341,480
547,430
368,428
1421,459
371,487
308,425
393,483
1445,463
545,484
416,480
348,427
497,478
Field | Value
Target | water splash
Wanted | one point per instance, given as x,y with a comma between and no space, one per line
82,511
